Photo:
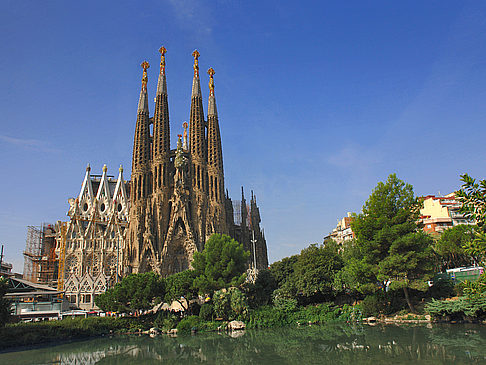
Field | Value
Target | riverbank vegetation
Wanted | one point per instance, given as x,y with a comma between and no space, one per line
384,270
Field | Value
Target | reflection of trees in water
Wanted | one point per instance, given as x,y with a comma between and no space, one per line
333,343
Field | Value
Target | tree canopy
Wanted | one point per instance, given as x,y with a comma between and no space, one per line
221,264
134,292
472,195
387,236
450,246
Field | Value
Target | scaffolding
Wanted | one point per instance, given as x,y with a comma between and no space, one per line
40,260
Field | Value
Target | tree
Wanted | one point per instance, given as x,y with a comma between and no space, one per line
472,195
387,237
180,285
450,246
314,272
4,303
356,277
283,270
134,292
221,264
260,292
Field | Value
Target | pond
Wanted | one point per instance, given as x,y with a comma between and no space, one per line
325,344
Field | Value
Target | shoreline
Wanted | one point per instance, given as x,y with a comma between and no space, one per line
370,321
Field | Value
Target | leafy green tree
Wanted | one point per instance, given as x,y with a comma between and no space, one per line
356,276
134,292
221,264
4,303
260,292
450,246
230,304
179,286
315,270
387,237
472,195
283,270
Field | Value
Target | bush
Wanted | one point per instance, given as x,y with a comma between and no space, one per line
283,301
443,287
381,303
461,308
230,304
188,323
166,320
207,312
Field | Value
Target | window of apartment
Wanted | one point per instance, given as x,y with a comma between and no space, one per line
86,298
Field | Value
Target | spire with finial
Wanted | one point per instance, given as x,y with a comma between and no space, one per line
162,84
161,133
212,100
196,86
197,127
143,101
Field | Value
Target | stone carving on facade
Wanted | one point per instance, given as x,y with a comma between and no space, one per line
95,238
179,192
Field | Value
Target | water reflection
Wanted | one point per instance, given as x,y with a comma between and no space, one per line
336,344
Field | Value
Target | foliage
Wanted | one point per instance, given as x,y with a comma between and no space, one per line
284,301
26,334
283,270
260,292
221,264
381,303
458,308
314,272
472,195
450,246
475,289
166,320
442,287
356,276
269,316
207,312
179,286
4,303
230,304
134,292
388,241
189,323
409,263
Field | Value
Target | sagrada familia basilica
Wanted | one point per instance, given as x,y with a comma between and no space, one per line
174,201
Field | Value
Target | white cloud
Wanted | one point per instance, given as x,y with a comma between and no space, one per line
34,144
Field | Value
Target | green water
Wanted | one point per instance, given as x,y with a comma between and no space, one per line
327,344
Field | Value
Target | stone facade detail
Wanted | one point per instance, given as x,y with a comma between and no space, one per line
94,238
177,196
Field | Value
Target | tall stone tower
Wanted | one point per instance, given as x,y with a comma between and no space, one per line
177,195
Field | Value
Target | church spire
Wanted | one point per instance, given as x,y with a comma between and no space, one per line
162,84
215,154
143,100
141,140
196,85
197,130
161,141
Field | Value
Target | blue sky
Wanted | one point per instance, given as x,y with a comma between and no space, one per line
318,101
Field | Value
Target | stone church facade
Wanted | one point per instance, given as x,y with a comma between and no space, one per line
94,238
177,196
